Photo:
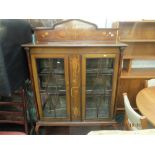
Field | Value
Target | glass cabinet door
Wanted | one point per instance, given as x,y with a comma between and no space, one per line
51,84
97,85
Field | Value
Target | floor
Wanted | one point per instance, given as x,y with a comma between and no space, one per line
65,130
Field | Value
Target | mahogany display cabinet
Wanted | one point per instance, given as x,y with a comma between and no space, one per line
74,70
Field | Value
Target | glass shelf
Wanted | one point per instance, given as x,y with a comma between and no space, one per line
60,92
101,71
98,92
45,71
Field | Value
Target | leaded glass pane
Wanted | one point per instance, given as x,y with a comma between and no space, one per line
52,87
99,73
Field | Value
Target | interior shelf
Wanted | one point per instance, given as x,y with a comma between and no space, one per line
101,71
46,71
139,73
99,92
60,92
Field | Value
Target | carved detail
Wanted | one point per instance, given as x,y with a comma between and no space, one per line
75,112
75,61
27,49
122,49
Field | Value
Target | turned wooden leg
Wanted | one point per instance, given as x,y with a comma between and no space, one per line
37,129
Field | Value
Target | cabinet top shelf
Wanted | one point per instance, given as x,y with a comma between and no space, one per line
76,44
140,21
137,40
139,57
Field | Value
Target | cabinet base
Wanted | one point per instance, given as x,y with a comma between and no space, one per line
86,123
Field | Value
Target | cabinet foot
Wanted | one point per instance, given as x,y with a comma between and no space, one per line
37,129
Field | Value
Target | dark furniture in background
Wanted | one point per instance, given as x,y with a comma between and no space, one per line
13,114
13,65
140,37
13,71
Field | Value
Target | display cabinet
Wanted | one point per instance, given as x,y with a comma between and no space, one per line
74,69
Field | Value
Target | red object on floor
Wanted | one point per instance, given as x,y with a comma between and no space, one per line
11,133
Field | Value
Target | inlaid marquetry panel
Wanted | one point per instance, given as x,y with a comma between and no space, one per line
75,86
77,30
